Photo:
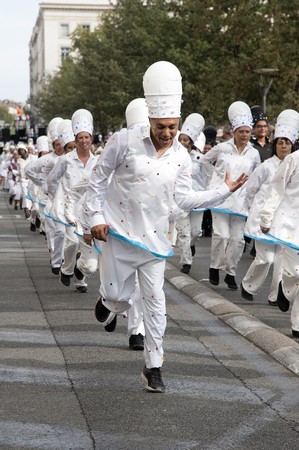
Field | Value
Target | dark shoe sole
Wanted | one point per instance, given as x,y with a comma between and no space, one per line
101,312
150,389
246,295
112,325
282,301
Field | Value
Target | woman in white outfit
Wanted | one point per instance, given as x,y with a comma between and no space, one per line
237,156
267,250
280,218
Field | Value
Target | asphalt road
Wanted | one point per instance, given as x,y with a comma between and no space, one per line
67,384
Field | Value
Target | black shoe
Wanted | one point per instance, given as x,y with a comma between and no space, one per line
11,199
253,251
37,222
273,303
282,301
193,250
82,289
78,274
101,312
295,333
65,279
112,325
136,342
153,379
214,276
230,281
246,295
186,268
42,232
32,227
55,270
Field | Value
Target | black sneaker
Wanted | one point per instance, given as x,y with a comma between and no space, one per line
32,227
78,274
186,268
65,279
153,379
55,270
231,282
282,301
112,325
82,289
193,250
136,342
246,295
37,222
295,333
101,312
214,276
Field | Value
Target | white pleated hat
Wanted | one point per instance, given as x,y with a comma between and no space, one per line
42,144
53,128
200,142
193,126
162,85
137,113
287,125
65,132
82,120
239,115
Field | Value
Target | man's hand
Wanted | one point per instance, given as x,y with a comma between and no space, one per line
87,239
235,185
265,230
100,232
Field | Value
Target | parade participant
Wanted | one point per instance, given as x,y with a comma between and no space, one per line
38,172
69,170
238,156
260,138
280,218
151,170
189,225
25,203
267,252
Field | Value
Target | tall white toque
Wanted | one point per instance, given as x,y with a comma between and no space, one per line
287,125
82,120
239,115
65,132
53,128
162,85
137,113
200,142
193,126
42,144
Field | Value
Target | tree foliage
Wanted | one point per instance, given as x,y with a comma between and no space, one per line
216,45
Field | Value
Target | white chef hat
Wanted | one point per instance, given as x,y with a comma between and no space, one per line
65,132
239,115
162,84
53,128
21,145
82,120
287,125
42,144
200,141
193,126
137,113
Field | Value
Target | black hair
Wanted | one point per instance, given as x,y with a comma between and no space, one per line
285,139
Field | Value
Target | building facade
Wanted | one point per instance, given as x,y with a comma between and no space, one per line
50,41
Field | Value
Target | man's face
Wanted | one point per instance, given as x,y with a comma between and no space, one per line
261,129
58,149
163,132
83,141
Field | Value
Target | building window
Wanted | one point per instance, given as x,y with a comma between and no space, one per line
64,29
86,27
64,52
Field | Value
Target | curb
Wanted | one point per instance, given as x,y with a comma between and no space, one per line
280,347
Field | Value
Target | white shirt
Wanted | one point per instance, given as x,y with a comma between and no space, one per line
280,211
227,157
138,201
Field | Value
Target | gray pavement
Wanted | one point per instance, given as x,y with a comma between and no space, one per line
67,384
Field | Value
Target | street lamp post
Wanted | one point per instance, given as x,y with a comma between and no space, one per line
265,86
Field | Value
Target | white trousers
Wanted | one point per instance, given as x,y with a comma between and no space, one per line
290,282
71,248
55,232
188,231
135,313
118,267
227,242
266,255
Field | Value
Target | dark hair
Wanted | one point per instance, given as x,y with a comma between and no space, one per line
275,142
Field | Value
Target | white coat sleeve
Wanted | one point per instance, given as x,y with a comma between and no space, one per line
253,185
33,171
111,157
276,191
55,175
